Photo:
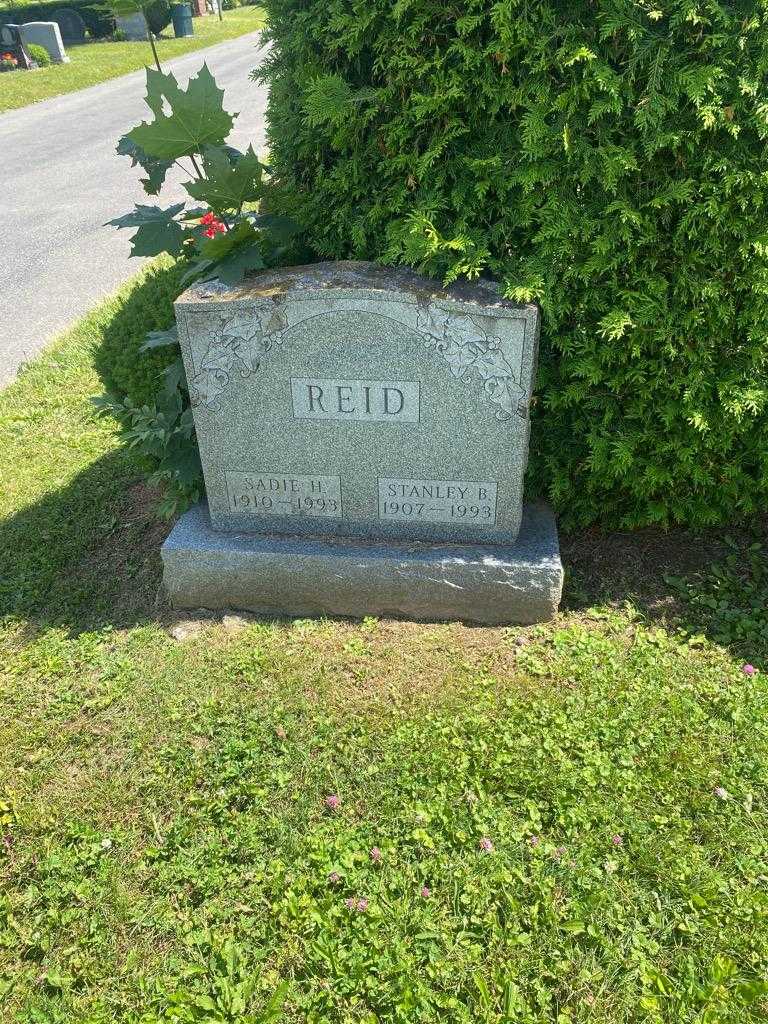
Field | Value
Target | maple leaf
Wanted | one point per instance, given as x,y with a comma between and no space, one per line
279,228
228,256
220,246
156,169
157,230
230,181
197,118
234,267
160,339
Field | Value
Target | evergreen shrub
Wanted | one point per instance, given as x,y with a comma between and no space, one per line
39,55
606,158
125,370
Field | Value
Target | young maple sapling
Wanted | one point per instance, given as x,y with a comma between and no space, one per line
224,238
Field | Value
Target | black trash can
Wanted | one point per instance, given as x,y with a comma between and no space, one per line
181,15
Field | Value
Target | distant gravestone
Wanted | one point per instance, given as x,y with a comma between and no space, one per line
364,437
13,42
134,26
71,25
47,35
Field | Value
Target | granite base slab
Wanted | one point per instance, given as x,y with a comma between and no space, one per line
491,584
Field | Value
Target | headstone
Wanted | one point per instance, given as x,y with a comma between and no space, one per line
47,35
134,26
71,25
12,42
364,437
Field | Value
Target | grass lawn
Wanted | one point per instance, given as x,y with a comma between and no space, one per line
92,63
166,850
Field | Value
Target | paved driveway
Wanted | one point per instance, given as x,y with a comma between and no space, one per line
60,180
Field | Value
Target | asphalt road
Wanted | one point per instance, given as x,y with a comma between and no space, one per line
60,180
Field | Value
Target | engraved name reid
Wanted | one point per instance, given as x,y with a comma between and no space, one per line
379,401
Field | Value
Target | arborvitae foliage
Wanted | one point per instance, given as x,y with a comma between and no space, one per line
607,158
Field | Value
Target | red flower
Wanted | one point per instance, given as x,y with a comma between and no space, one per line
214,225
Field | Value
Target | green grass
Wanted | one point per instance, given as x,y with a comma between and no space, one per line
166,854
92,63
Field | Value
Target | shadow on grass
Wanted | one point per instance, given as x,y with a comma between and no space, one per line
85,556
712,582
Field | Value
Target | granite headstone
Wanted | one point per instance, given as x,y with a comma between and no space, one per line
369,409
48,35
134,26
12,40
71,25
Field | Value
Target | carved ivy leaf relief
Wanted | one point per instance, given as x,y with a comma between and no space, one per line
236,349
472,353
239,344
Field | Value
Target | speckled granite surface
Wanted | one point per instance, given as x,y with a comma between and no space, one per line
354,400
278,575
